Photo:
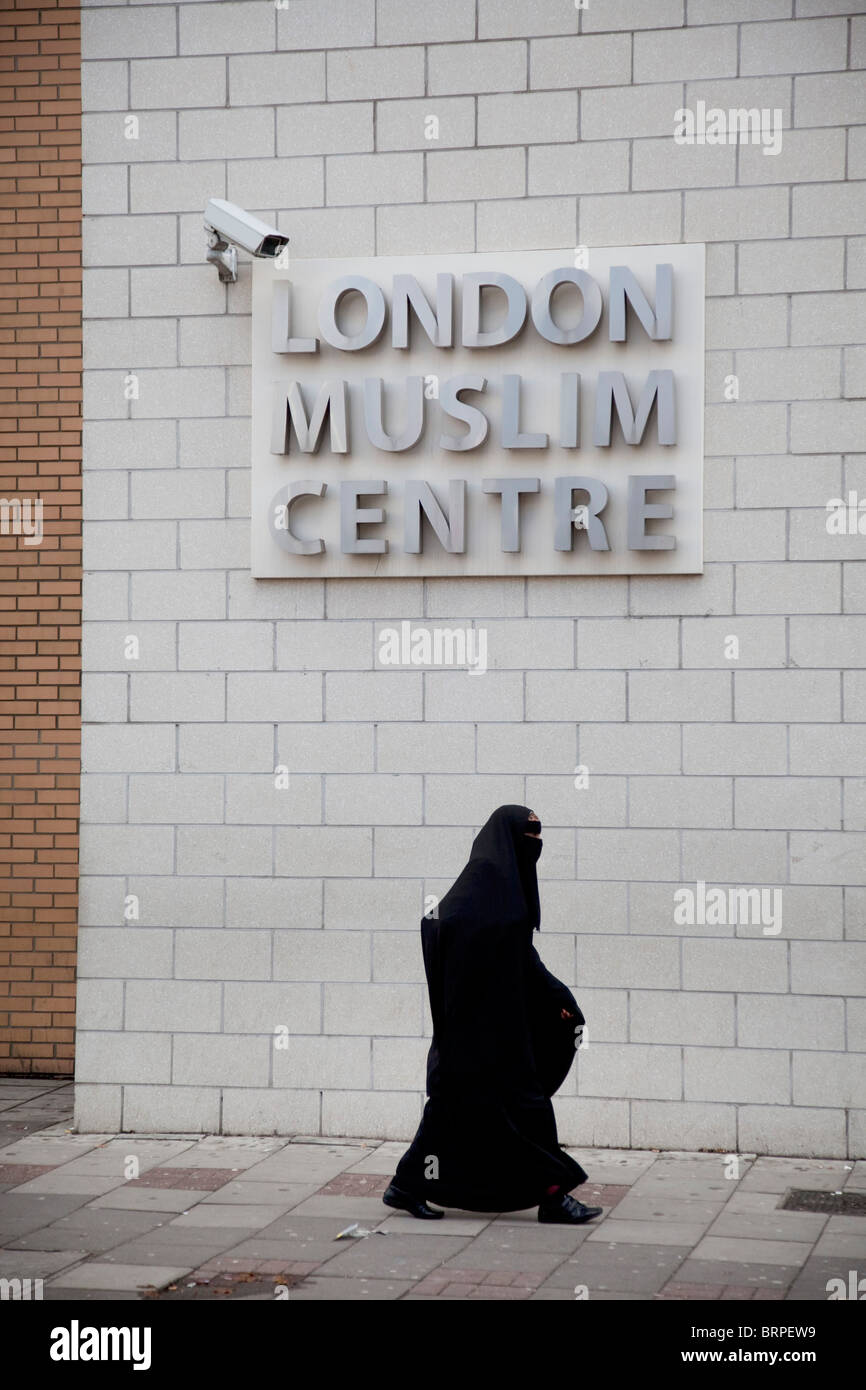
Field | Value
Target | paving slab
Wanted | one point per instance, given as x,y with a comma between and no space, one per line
244,1193
639,1269
394,1257
368,1210
37,1264
453,1224
776,1225
145,1251
306,1238
776,1276
684,1188
116,1276
659,1207
302,1163
811,1282
327,1289
164,1199
619,1230
210,1215
229,1152
52,1294
732,1249
383,1160
60,1181
849,1244
45,1148
94,1239
778,1174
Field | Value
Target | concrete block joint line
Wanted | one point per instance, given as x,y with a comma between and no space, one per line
268,803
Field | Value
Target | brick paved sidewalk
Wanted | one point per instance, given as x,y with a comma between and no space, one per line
244,1217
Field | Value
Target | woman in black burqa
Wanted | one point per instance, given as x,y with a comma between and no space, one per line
503,1042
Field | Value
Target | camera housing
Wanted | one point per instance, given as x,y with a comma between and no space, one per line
228,227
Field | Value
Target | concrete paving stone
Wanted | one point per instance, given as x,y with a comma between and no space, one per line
327,1289
848,1244
779,1225
22,1090
146,1251
12,1130
113,1158
618,1230
535,1236
368,1210
641,1269
812,1280
778,1174
857,1175
687,1189
230,1214
736,1249
218,1151
37,1264
499,1258
384,1159
59,1181
746,1202
164,1199
733,1272
196,1179
47,1108
657,1208
850,1224
343,1143
116,1276
302,1163
549,1294
692,1293
256,1248
491,1293
519,1239
93,1231
51,1294
394,1257
401,1223
284,1194
355,1185
50,1149
23,1205
14,1174
697,1164
603,1167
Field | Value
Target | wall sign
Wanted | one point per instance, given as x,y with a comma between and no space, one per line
522,413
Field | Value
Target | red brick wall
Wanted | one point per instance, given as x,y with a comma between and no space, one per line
40,585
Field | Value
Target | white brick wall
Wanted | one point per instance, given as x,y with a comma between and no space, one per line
217,908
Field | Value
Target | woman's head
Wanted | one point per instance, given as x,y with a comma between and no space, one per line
511,840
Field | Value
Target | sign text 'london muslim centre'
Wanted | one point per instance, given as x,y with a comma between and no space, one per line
533,412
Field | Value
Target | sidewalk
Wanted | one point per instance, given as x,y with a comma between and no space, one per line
233,1217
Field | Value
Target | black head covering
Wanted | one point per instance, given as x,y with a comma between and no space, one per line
505,843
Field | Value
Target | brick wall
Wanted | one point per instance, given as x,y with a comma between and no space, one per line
40,584
208,917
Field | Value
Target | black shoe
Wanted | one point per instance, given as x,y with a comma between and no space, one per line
565,1210
404,1201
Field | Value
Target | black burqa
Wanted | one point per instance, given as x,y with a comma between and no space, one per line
501,1048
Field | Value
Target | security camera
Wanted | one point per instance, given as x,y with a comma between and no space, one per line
228,227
